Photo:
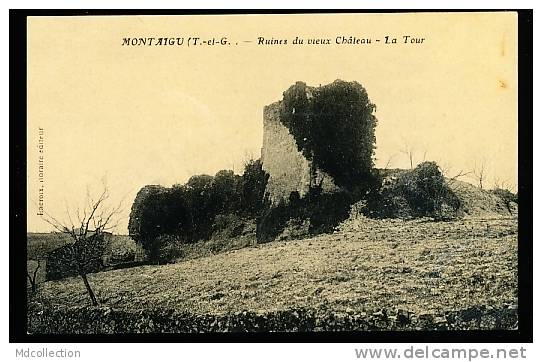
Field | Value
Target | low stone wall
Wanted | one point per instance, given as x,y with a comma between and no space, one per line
104,320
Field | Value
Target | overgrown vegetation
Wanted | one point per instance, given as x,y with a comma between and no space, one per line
508,198
192,212
77,320
323,212
334,126
420,192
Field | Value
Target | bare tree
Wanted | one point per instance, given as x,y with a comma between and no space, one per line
501,184
409,152
446,170
412,152
32,277
86,229
460,174
444,167
502,189
479,172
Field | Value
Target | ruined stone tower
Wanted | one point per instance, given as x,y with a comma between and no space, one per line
289,171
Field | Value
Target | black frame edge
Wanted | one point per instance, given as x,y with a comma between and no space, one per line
18,190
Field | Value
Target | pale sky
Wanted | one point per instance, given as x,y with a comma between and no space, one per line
157,115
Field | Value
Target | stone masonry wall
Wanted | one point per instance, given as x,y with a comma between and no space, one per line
288,169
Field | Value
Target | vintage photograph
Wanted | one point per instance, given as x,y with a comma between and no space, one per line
241,173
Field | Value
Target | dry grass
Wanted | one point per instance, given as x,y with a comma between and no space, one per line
419,266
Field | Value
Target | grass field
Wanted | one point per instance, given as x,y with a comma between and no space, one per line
418,266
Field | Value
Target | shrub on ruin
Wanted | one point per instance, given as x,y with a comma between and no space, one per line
333,126
254,182
226,192
322,211
421,192
189,211
327,211
160,211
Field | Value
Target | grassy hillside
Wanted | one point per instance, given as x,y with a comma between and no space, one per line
39,244
477,202
418,266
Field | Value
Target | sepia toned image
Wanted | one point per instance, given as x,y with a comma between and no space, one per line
239,173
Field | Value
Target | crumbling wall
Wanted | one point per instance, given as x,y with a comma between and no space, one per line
289,171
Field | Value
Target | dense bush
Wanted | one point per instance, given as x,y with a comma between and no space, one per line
188,212
166,249
228,226
198,199
226,192
141,202
334,127
160,211
254,182
122,250
272,221
327,210
324,211
416,193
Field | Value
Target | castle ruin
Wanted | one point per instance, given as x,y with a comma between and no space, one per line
289,170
